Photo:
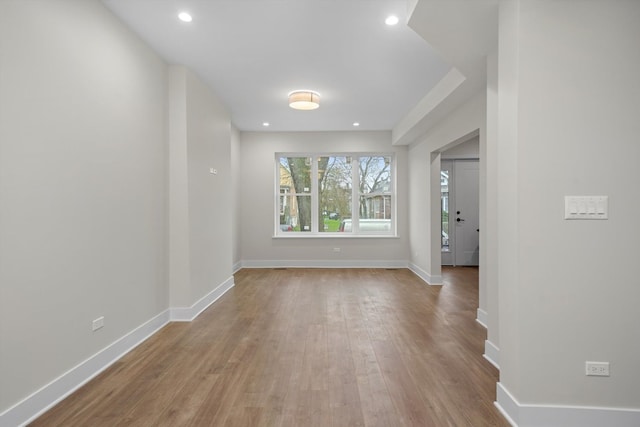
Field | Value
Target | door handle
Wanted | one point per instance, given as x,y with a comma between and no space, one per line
459,220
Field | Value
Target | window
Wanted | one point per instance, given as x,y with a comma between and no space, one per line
444,209
341,194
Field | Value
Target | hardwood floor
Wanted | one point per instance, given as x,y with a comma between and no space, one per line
307,347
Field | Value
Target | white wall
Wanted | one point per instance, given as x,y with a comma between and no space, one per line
421,247
424,182
210,202
235,195
82,187
201,204
489,256
179,251
569,90
465,150
257,199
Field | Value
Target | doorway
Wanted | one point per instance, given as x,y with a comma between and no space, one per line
459,203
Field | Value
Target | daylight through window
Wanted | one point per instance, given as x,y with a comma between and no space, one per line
345,194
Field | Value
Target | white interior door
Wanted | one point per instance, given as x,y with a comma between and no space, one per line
465,218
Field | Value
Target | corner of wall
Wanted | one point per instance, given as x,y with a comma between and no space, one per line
49,395
536,415
433,280
188,314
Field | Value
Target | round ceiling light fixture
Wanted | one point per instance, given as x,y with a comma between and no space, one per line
391,20
185,17
304,99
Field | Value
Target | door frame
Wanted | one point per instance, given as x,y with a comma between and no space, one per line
437,157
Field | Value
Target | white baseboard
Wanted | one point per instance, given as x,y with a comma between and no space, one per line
492,353
429,279
42,400
426,277
506,404
324,264
482,317
525,415
236,267
39,402
187,314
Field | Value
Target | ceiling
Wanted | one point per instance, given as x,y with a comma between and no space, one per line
252,53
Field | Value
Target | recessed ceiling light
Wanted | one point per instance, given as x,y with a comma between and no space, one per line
185,17
391,20
265,124
356,124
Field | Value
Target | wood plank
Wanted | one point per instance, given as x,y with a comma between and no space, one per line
307,347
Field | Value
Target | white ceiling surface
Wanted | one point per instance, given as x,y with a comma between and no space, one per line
252,53
464,32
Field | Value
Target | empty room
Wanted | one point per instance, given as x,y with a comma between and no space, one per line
319,213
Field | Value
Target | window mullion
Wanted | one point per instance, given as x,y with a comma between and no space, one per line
315,191
278,197
355,195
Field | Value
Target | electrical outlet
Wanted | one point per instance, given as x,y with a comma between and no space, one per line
98,323
597,369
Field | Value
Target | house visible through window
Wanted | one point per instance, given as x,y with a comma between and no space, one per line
444,209
346,194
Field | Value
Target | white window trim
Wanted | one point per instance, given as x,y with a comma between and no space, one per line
355,198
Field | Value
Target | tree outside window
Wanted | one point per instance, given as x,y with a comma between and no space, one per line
326,204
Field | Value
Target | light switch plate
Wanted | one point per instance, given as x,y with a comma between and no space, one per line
586,207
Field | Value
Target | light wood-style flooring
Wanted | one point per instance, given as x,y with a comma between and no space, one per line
307,347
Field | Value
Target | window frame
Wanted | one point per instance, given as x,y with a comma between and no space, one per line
355,232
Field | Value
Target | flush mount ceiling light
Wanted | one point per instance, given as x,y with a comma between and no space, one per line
391,20
304,99
185,17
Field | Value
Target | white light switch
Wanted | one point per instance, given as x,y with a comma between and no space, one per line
586,207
